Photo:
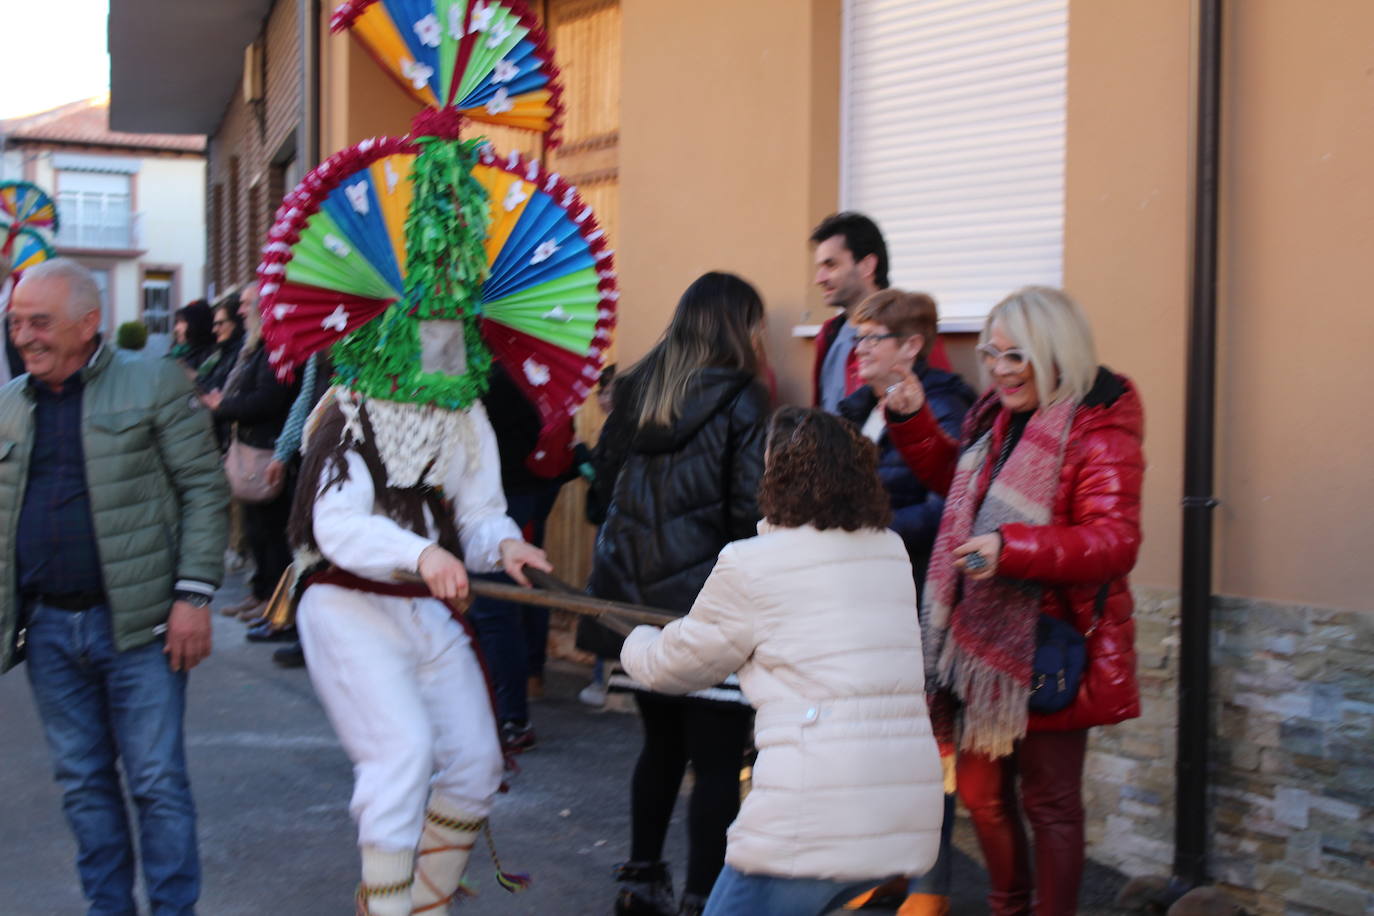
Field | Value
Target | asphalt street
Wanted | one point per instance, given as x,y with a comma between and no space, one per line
272,788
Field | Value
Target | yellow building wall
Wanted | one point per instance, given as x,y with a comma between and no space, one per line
1126,226
357,99
1296,437
728,156
1293,436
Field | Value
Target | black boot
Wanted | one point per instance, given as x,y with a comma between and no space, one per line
692,905
645,890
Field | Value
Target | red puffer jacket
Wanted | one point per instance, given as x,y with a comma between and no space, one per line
1092,540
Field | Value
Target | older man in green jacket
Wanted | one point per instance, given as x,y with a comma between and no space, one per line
112,534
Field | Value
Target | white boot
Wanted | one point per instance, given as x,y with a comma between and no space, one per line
387,877
445,845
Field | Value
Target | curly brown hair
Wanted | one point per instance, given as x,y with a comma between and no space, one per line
821,471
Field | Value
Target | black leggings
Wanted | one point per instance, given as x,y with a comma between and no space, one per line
713,737
265,526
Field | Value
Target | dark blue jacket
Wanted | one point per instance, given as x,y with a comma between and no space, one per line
915,510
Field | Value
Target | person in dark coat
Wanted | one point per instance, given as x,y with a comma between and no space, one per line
894,333
213,373
193,334
684,448
227,328
514,636
255,403
896,330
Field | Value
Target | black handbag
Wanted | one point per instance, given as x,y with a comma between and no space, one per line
602,639
1061,655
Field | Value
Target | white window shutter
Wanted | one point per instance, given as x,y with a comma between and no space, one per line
952,140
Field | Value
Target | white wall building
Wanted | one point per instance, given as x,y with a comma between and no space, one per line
131,206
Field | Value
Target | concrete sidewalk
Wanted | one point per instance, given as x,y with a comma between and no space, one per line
272,787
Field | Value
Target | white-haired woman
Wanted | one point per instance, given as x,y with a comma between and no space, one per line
1042,518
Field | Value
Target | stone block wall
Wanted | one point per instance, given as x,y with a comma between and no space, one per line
1292,807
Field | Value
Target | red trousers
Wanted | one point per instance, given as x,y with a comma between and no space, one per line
1050,768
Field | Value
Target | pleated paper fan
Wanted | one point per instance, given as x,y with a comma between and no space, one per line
336,260
549,302
488,59
25,204
27,249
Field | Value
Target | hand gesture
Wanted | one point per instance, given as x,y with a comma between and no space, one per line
212,399
906,396
276,471
188,636
444,573
988,547
516,554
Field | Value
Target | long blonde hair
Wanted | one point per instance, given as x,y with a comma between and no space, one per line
1051,327
715,325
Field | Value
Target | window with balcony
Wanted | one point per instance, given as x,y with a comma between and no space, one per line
97,210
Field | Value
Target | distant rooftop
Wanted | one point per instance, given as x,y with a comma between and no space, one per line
87,123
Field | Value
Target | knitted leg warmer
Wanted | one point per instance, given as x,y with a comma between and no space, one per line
385,890
445,845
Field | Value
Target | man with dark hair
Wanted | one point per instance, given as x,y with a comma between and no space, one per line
112,527
851,265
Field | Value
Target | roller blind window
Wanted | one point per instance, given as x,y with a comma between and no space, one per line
952,139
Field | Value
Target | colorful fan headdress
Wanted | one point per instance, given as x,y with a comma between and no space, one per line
26,212
419,259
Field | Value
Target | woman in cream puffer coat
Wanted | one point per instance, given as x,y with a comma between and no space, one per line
818,616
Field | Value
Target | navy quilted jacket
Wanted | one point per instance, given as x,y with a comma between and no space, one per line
915,509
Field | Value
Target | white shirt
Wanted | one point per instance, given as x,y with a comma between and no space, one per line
353,534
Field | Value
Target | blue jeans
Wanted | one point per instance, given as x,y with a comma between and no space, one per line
512,636
100,707
738,894
936,881
501,635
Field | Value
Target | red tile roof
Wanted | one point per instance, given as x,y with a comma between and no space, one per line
87,123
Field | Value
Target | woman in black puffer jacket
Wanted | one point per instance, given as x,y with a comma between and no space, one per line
682,453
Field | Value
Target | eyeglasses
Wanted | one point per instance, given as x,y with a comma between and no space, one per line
868,340
1015,358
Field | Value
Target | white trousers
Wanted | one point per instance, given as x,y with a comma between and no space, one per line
407,698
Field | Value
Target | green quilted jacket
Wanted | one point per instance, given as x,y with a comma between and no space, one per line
157,491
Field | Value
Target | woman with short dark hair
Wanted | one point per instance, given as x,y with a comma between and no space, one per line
818,616
193,334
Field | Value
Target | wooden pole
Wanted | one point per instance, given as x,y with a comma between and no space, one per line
554,593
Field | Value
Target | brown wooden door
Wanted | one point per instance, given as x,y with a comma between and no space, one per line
585,35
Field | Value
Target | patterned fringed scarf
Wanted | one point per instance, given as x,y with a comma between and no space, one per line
980,635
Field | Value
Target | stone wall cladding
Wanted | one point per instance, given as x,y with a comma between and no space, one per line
1293,756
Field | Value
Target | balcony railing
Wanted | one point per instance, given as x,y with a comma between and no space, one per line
94,220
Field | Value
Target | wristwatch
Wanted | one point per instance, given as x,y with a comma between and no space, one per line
195,599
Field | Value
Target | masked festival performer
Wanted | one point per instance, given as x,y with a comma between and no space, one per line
418,261
395,669
400,494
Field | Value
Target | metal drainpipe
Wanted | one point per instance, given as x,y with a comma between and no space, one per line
308,145
1191,821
